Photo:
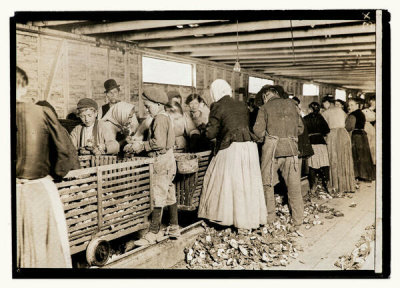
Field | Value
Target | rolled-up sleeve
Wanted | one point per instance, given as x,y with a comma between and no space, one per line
108,137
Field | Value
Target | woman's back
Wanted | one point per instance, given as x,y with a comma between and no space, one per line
335,117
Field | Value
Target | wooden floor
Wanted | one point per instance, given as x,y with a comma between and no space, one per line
324,244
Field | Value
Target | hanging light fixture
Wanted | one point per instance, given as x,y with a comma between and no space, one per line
236,68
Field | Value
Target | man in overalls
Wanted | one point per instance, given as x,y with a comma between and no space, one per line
159,145
279,123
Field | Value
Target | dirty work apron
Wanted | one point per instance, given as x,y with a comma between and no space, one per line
268,171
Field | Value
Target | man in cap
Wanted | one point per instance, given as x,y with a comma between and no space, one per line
279,123
43,152
92,136
159,145
112,94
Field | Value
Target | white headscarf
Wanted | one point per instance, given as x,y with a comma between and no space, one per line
220,88
118,114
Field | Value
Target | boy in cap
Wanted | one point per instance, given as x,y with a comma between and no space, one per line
112,95
92,136
159,145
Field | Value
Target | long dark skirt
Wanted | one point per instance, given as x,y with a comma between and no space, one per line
363,166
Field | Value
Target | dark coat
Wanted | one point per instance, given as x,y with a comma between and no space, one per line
305,148
317,128
228,123
43,145
104,109
280,118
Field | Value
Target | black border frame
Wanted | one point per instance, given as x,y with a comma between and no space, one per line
25,16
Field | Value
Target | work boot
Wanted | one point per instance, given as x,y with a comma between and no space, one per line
312,178
150,238
325,178
173,214
156,220
173,231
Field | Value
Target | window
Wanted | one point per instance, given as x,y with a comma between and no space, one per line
340,94
168,72
310,90
255,84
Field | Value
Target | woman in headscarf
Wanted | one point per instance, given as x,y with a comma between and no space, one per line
232,189
122,116
339,148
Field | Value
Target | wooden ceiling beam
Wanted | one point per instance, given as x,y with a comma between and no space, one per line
364,39
225,28
321,72
314,67
316,32
298,50
55,23
298,60
133,25
371,63
290,55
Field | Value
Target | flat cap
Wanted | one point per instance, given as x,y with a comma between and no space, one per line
155,95
87,103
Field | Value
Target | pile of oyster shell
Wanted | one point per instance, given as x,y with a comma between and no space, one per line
357,257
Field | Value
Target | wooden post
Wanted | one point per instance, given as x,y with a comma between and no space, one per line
127,81
139,66
54,67
88,78
151,171
99,198
66,80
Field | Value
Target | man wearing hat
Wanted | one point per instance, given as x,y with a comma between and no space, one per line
112,94
159,145
279,124
92,136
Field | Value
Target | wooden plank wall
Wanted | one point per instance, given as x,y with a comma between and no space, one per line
63,70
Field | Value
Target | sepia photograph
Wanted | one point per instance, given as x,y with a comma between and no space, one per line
212,144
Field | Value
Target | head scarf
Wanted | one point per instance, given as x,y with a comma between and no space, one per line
220,88
119,113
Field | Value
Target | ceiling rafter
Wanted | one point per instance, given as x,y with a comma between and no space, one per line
112,27
224,28
273,35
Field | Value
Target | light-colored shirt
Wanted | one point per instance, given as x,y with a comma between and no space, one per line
87,133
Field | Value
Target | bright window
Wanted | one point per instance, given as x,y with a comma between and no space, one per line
310,90
255,84
340,94
168,72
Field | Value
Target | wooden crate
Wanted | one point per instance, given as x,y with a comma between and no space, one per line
109,201
187,196
93,161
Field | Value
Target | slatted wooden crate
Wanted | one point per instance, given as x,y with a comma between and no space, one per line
107,201
93,161
189,186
